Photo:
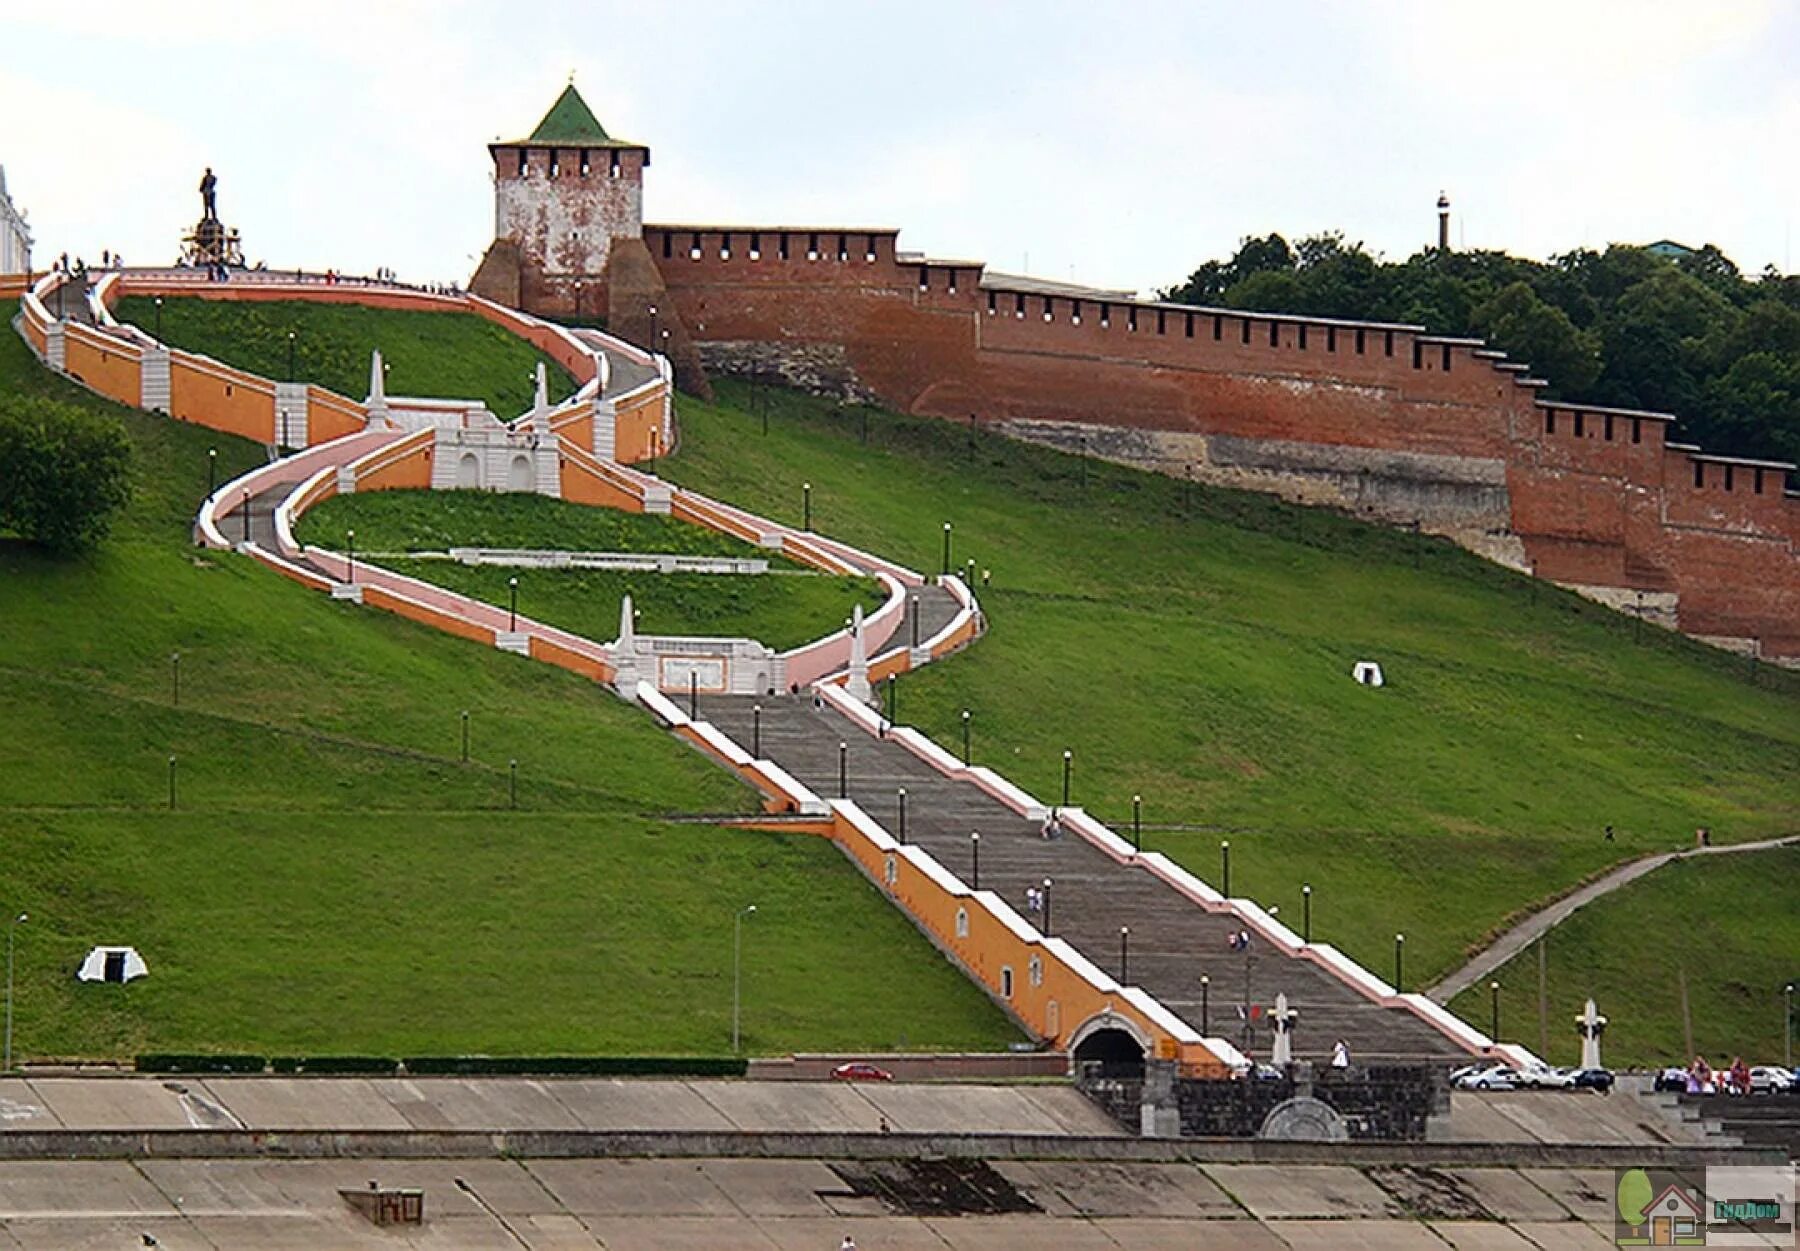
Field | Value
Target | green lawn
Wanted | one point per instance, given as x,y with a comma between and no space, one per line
778,610
1196,648
441,355
334,878
1730,924
435,521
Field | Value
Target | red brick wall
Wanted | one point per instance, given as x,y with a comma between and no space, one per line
1604,504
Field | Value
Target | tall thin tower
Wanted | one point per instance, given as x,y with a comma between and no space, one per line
1443,222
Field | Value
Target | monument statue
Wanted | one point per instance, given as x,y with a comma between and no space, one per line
210,244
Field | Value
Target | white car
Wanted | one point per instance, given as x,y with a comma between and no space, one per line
1490,1077
1766,1079
1545,1077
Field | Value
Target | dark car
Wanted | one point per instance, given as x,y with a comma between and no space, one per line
859,1072
1593,1079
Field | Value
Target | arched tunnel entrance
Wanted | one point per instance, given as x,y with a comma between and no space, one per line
1110,1052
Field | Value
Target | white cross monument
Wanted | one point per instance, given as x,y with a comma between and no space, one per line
1590,1025
1283,1019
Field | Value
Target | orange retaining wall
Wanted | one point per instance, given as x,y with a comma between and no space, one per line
331,416
221,398
634,428
568,658
583,484
103,364
407,468
377,597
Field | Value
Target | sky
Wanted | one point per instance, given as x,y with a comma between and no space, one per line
1117,144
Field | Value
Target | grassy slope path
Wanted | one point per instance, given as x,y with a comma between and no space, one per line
1541,922
334,879
1197,650
1729,925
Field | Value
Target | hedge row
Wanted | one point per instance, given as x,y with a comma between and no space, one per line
468,1066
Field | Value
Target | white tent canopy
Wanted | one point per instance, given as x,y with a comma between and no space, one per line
112,964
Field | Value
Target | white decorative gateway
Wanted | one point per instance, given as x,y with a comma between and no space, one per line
15,235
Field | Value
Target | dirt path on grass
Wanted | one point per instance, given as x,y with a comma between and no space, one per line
1539,923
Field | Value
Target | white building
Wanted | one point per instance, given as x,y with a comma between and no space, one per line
15,235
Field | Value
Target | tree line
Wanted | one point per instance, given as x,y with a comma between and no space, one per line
1626,327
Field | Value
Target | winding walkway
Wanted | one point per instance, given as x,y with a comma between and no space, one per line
1541,922
1129,942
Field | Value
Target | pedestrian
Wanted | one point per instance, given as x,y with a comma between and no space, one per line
1340,1054
848,1244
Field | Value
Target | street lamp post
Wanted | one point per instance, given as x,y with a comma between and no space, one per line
1137,823
1788,1037
512,783
900,801
6,1066
212,471
756,731
1205,1004
512,610
806,506
946,569
1068,766
175,677
965,721
1225,868
737,975
1124,955
843,769
159,300
912,613
465,736
1046,907
171,784
350,553
693,695
1400,962
975,862
246,512
290,377
1494,997
654,339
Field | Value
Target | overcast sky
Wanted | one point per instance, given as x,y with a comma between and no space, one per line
1117,143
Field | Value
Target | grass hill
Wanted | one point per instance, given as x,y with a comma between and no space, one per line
1729,924
442,355
1195,648
781,609
334,879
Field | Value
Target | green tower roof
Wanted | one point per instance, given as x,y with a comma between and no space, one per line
571,123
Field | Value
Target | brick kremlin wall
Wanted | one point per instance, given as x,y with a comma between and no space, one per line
1384,420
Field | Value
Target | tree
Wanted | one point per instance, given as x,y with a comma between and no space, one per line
1635,1195
1540,334
68,471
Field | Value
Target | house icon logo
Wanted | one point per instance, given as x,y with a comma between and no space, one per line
1657,1209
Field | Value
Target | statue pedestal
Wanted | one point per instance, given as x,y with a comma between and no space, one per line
210,243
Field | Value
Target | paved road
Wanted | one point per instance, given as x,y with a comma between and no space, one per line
1539,923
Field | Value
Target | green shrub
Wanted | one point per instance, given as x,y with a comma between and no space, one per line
64,472
377,1065
588,1066
199,1062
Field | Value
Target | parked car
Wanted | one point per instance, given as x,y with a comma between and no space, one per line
858,1071
1593,1079
1545,1077
1490,1077
1671,1080
1767,1079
